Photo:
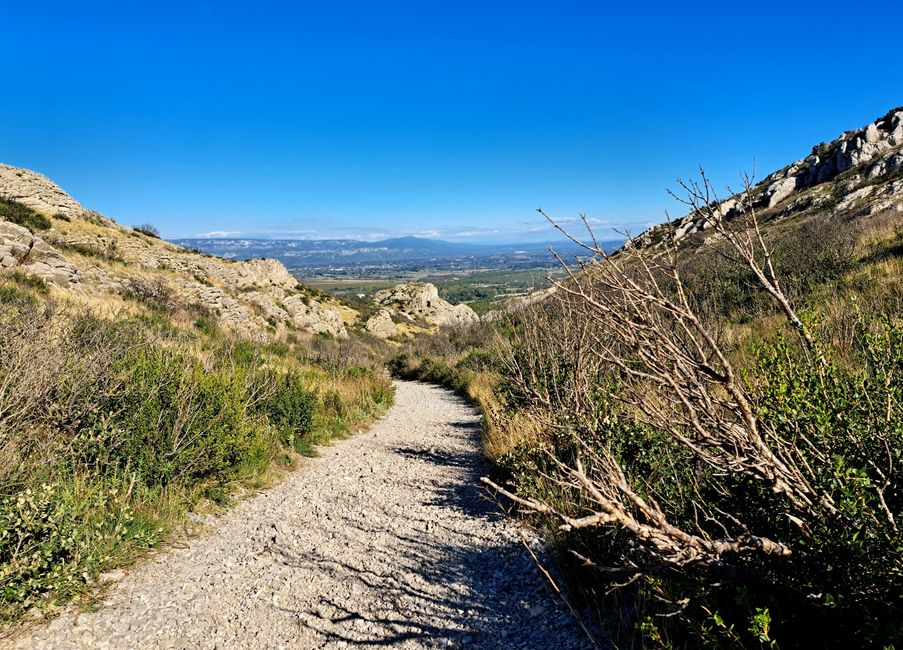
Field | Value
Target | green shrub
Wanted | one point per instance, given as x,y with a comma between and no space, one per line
289,406
147,229
22,215
55,538
333,404
173,421
20,288
207,324
30,281
382,394
11,294
109,254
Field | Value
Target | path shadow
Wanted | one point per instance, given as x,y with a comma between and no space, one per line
427,591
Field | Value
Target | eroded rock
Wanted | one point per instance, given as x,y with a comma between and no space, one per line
381,324
37,192
423,301
20,249
313,315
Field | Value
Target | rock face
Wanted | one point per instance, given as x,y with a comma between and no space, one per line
21,250
37,192
423,301
856,169
255,298
315,316
381,324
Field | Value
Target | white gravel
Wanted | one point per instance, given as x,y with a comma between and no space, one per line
384,540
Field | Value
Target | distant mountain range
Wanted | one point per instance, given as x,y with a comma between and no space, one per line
316,256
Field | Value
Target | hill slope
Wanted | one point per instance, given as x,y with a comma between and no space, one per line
86,255
143,384
856,176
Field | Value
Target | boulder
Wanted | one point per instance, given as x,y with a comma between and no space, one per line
779,191
381,324
20,249
309,314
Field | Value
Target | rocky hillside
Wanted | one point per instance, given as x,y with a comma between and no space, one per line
82,254
418,301
860,174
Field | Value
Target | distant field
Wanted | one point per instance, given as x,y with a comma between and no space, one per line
481,289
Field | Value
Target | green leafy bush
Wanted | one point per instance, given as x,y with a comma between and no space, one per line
173,420
22,215
289,406
55,538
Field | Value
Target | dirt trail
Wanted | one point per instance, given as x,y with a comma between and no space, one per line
384,540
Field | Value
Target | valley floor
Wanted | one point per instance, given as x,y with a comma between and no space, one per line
383,540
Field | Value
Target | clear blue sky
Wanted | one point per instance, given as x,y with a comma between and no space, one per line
451,119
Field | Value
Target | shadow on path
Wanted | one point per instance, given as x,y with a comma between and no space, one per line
476,589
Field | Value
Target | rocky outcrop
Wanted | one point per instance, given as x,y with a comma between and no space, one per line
254,299
423,301
858,167
21,250
37,192
257,274
311,314
381,324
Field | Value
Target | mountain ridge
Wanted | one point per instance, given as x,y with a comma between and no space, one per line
858,174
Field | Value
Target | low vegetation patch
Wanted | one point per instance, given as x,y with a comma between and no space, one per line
147,229
113,429
22,215
109,253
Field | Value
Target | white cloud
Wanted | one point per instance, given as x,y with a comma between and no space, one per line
219,233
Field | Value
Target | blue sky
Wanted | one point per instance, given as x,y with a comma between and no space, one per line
444,119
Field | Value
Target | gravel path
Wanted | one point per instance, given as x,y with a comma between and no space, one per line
384,540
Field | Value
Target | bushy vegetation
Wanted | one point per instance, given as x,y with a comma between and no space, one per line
113,428
109,253
715,468
148,229
22,215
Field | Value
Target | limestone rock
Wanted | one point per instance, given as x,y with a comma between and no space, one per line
306,313
779,191
37,192
252,273
381,324
232,314
876,150
268,308
423,301
21,249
